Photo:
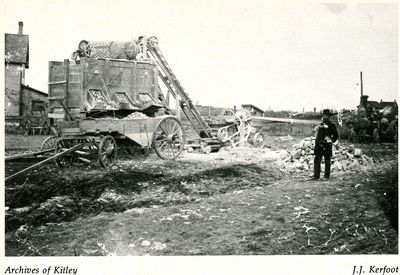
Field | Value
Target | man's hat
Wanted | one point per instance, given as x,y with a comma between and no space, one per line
326,112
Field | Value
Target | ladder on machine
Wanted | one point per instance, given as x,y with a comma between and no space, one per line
151,49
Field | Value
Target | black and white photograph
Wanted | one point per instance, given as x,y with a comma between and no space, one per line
200,128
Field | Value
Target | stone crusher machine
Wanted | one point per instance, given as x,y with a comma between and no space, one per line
372,123
108,96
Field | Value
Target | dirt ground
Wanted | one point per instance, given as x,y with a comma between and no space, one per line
235,202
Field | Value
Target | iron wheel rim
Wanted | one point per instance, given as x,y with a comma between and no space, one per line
168,138
66,160
107,151
49,143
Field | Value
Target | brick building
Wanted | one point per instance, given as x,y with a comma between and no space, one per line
22,102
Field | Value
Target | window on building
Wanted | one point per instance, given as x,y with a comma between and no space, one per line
38,106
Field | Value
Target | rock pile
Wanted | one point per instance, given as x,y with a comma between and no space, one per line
301,158
136,115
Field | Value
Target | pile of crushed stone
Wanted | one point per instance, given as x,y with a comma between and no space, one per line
301,158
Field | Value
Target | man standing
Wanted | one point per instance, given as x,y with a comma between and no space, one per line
326,136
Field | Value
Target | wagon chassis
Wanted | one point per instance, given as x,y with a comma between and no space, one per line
163,134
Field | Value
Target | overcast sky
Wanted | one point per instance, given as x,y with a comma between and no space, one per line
225,53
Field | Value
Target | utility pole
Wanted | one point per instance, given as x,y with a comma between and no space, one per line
361,83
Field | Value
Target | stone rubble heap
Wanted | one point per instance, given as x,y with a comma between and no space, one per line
136,115
301,158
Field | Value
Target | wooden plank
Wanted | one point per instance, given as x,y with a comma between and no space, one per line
83,153
76,98
56,76
56,115
70,130
57,82
56,97
84,160
49,78
78,146
288,120
28,155
66,99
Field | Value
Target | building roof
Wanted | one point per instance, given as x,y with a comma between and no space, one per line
33,90
375,104
388,104
251,106
17,49
382,104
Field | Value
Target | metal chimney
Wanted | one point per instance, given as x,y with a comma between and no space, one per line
20,27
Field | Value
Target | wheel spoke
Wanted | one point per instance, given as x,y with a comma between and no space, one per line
173,126
176,146
164,144
105,160
177,131
170,149
163,131
162,139
167,126
178,138
174,149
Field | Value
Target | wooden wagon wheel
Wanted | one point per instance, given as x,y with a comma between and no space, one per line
66,160
258,140
222,134
49,143
107,151
168,138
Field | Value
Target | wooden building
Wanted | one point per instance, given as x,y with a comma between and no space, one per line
33,105
254,111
